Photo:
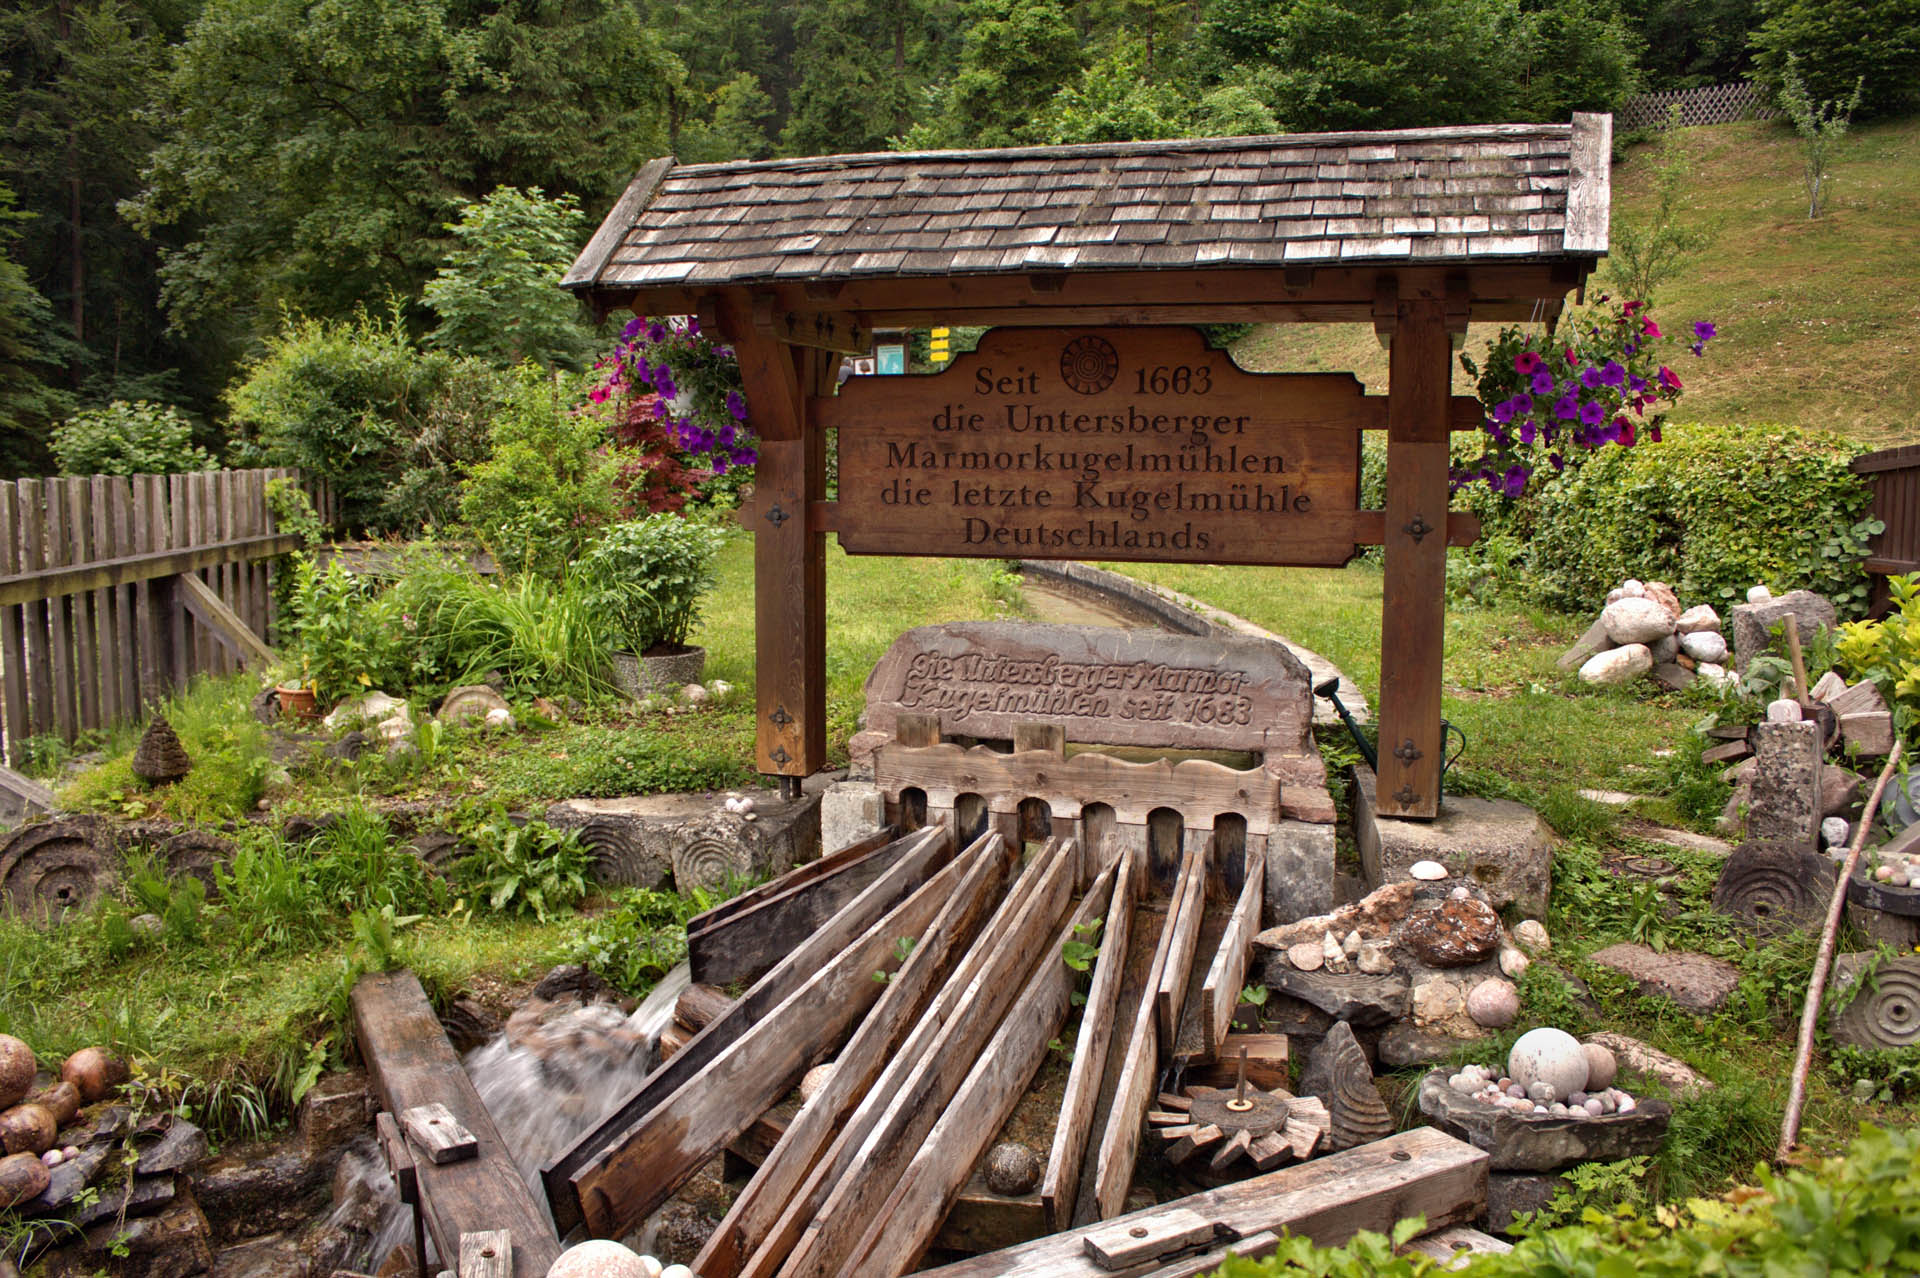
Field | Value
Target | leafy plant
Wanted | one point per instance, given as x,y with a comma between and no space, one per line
640,939
673,400
1819,124
526,869
138,438
646,578
1645,253
340,643
293,512
1077,953
1878,1074
1255,995
902,951
1591,1187
494,294
1888,651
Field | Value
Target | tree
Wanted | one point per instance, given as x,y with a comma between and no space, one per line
1014,56
1646,252
498,294
319,149
1689,43
1819,124
1115,101
1582,56
737,129
27,403
1837,43
864,65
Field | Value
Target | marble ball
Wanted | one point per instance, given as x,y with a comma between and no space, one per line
1601,1067
600,1258
1550,1056
1493,1003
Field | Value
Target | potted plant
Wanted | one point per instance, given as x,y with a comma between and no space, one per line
645,579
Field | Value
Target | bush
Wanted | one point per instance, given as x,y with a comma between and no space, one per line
646,577
138,438
495,295
1840,42
1888,652
1711,511
547,487
341,636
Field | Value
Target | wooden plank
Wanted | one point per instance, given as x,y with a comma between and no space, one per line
1589,192
1183,925
1122,1246
1413,608
1136,988
38,613
799,876
85,608
1220,994
899,1233
932,848
639,1170
114,495
1133,1095
25,794
409,1063
824,1222
438,1134
225,577
398,1156
1454,1247
1422,1172
1267,1062
822,330
600,249
149,625
173,530
212,612
60,627
13,636
939,949
746,945
486,1253
27,586
1084,1077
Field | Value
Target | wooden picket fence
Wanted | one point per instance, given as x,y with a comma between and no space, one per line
1893,476
117,590
1708,104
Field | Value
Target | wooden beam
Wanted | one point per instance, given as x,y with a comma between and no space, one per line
600,249
1589,193
852,1182
1084,1076
1183,925
1414,593
745,945
486,1253
639,1171
1422,1172
25,794
212,612
410,1062
796,877
835,331
1220,995
28,587
1368,527
931,849
758,1207
898,1235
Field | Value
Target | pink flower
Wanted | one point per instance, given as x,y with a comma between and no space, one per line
598,394
1667,379
1650,329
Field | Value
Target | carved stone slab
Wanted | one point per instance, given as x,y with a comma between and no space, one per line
1105,686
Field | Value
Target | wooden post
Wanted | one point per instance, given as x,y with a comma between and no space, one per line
1413,611
789,562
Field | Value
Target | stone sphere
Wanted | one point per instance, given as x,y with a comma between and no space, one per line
1532,937
600,1258
1549,1056
1013,1169
1601,1067
1513,962
813,1080
1494,1003
1427,871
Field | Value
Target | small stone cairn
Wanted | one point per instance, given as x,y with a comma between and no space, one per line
1643,630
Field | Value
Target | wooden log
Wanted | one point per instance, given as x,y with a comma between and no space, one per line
699,1006
852,1181
1220,995
212,612
799,876
931,849
438,1134
944,945
1422,1172
1120,1143
410,1062
1123,1246
631,1174
1062,1180
1267,1063
486,1253
1183,929
744,945
1455,1246
899,1234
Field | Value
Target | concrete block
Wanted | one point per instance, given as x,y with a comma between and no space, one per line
1299,871
1499,846
1787,761
849,812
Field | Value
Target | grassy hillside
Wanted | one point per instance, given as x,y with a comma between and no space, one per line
1819,321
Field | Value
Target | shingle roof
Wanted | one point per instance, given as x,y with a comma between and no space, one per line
1421,196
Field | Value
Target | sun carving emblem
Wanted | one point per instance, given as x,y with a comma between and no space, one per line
1089,364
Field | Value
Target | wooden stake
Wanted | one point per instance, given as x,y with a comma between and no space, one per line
1817,988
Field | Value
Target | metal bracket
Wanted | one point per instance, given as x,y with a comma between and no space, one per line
1407,751
780,756
777,516
1405,796
780,716
1418,529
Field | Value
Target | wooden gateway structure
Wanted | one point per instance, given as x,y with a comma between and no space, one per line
1089,428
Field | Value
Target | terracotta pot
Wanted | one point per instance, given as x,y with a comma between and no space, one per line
298,703
639,675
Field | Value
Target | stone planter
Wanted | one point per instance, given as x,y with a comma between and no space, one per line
639,675
1541,1143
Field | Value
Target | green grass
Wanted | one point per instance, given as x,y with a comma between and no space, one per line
1816,318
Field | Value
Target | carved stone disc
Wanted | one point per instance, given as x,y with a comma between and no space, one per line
56,868
1265,1113
1774,887
1886,1013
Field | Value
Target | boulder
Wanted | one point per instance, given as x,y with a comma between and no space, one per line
1437,1000
1457,933
470,701
1632,620
1499,846
372,708
1704,645
1407,1044
1661,593
1594,641
1753,622
1696,982
1664,649
1514,1194
1372,916
1839,790
1493,1003
1672,676
1617,665
1786,794
1698,619
1671,1072
1362,1000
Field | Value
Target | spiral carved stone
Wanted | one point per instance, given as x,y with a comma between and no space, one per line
707,856
1774,887
438,848
622,853
1354,1106
1885,1010
195,852
56,869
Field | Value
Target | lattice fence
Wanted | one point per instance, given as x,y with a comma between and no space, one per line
1709,104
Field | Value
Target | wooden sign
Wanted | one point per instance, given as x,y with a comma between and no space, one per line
1114,443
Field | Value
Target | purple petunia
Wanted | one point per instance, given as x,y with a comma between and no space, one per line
1503,411
1527,363
1567,408
1613,374
1543,383
1591,377
1592,414
736,406
1704,331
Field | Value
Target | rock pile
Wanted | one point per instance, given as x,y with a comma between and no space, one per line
1644,630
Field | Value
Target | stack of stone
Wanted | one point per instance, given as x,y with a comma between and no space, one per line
1643,630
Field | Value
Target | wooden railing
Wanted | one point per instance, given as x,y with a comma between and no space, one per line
116,590
1894,476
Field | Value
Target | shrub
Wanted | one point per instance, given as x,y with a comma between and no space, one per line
495,294
646,577
1888,651
1712,511
138,438
526,869
1839,43
547,486
340,631
539,635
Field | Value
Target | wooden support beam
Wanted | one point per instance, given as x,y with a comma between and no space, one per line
642,1168
835,331
486,1253
931,848
210,611
1220,995
1062,1180
937,952
1422,1172
1413,608
24,795
794,878
410,1062
27,587
744,945
1183,932
899,1234
825,1220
